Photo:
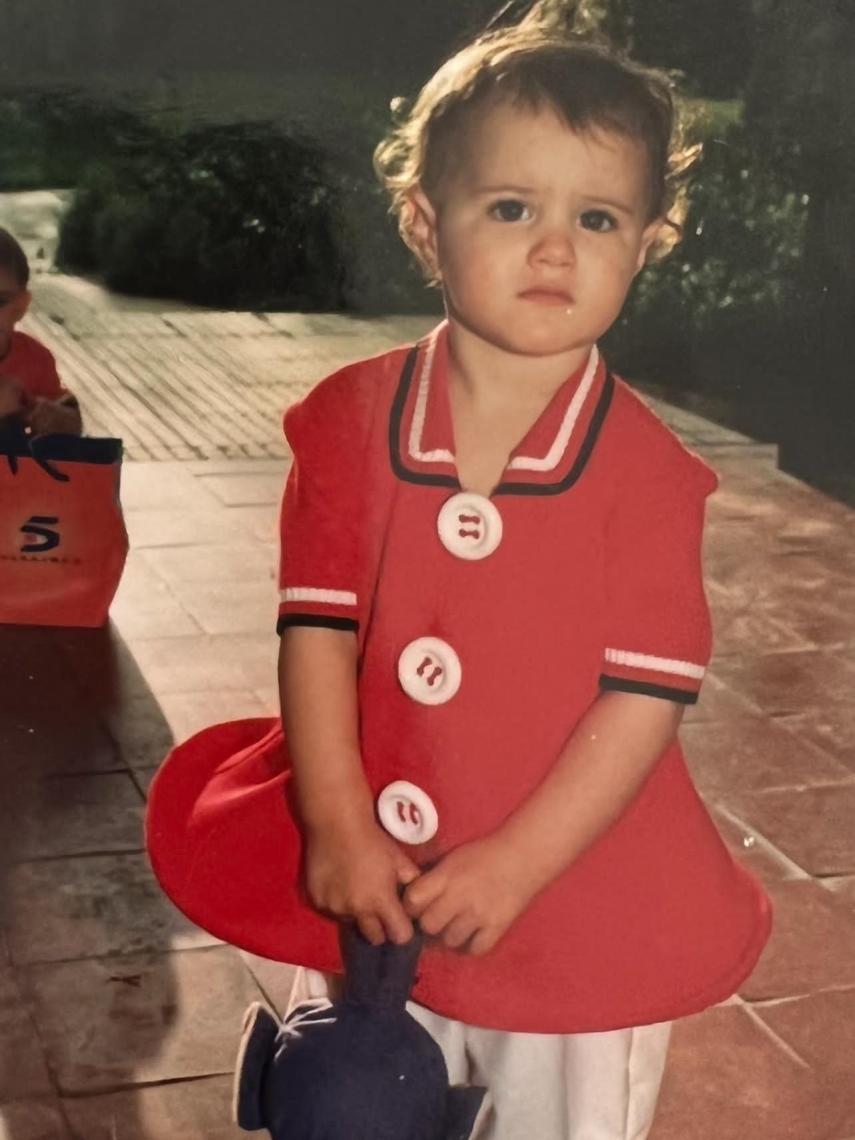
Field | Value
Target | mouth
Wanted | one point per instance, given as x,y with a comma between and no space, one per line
548,297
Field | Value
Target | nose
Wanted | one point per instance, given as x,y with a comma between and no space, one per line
554,249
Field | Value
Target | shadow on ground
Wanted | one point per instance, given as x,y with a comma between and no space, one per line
85,933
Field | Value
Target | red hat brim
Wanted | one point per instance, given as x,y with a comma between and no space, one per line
225,847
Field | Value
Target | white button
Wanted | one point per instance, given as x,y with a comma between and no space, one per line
469,526
407,812
429,671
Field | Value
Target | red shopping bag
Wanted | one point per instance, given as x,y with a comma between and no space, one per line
63,541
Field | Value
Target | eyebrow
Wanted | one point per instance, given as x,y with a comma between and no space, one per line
506,189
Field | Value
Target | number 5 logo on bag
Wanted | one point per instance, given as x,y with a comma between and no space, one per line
41,528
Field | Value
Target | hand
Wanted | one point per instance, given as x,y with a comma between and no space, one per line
49,417
471,896
11,398
354,872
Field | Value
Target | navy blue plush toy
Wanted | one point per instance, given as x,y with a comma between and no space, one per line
359,1069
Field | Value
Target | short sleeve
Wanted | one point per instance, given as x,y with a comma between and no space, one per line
658,639
33,367
320,520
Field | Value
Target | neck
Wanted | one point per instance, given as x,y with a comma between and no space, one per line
490,373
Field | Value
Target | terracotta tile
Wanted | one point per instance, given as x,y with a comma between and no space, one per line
751,849
197,665
240,489
112,1022
188,713
784,683
184,527
753,754
832,727
142,733
33,1120
61,737
73,815
821,1029
718,702
92,907
736,630
275,979
145,606
260,523
232,607
183,1110
813,826
23,1072
162,486
213,562
103,665
727,1079
843,888
143,777
46,723
812,946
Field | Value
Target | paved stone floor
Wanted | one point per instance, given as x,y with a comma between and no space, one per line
118,1019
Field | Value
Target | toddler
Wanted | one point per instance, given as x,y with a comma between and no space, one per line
31,394
492,619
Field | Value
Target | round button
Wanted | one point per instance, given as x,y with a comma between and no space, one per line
429,671
407,812
469,526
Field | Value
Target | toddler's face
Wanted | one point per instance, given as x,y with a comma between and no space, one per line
13,305
538,231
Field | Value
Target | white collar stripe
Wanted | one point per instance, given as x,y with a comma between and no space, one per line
439,455
316,594
559,445
520,462
657,664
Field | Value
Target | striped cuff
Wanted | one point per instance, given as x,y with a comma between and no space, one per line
317,606
665,677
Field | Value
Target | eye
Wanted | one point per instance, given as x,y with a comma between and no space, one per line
600,221
510,210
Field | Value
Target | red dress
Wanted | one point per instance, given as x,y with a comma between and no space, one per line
32,367
487,627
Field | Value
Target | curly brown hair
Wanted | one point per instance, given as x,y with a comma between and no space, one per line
13,259
589,84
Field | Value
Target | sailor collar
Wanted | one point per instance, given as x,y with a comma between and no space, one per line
548,460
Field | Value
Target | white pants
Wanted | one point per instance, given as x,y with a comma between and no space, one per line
583,1086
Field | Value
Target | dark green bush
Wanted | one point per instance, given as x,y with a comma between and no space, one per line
50,136
244,216
718,314
226,215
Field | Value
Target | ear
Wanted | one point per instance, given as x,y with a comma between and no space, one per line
648,237
21,305
420,223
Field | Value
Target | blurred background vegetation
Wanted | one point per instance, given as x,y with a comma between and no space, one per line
222,154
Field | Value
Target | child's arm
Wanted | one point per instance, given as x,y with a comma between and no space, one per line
353,868
480,888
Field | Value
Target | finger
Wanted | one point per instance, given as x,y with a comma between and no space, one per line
407,871
437,916
423,891
483,941
459,931
396,922
372,928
